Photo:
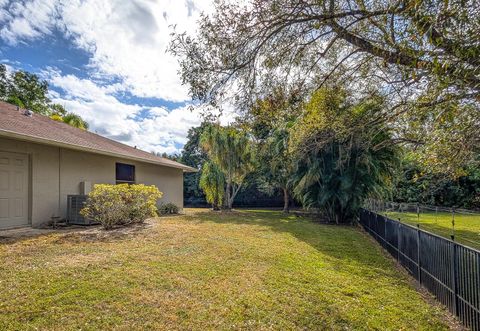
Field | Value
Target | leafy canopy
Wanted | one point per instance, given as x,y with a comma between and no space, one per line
338,168
423,56
231,151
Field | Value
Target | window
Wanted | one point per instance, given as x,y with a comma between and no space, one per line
124,173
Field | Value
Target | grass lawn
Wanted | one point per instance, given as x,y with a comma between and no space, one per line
467,226
205,270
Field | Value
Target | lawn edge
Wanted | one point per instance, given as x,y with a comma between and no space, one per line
450,320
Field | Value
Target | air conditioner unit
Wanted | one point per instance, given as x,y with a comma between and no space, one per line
75,203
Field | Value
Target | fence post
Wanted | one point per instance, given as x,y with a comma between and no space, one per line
418,213
454,277
398,240
385,230
453,221
419,264
372,214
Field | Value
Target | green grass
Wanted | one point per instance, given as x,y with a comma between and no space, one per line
467,226
254,270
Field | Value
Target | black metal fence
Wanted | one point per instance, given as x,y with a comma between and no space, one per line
450,271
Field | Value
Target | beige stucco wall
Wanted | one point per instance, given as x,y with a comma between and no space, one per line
57,172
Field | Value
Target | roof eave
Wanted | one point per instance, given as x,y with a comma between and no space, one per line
14,135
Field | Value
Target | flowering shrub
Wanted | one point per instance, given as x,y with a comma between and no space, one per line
121,204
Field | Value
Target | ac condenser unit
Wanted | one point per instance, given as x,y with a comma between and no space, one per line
75,203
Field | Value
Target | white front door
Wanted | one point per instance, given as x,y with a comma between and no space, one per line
13,190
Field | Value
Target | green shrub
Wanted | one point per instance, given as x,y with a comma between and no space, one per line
168,208
121,204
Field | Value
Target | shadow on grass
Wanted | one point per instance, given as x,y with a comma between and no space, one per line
346,245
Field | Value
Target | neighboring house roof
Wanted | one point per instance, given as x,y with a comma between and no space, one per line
41,129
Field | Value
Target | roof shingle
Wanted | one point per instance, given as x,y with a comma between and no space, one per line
14,123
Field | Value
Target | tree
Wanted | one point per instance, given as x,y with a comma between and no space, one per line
194,156
445,142
340,162
26,90
70,118
417,184
268,122
276,164
212,182
423,55
230,149
4,82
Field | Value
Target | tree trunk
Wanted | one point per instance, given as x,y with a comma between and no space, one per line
215,205
228,204
286,201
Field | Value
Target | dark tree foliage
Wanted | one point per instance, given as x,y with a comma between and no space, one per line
339,161
25,90
250,194
194,156
268,123
253,194
415,185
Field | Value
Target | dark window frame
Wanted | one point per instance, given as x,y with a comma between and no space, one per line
124,181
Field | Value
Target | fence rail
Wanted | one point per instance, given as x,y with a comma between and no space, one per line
463,224
449,270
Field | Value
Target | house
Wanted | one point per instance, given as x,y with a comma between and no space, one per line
42,161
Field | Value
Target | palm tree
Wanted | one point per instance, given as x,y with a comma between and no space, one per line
212,182
70,119
343,156
75,121
230,149
339,177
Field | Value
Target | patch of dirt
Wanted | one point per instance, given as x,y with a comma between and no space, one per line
78,260
100,234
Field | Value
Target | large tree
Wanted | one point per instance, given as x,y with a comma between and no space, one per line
230,149
339,161
416,184
422,55
276,164
268,121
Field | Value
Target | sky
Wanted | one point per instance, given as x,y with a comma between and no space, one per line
106,60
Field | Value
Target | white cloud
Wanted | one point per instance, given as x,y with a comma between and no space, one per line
23,21
149,128
127,39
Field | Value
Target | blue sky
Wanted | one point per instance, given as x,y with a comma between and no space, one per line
107,61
